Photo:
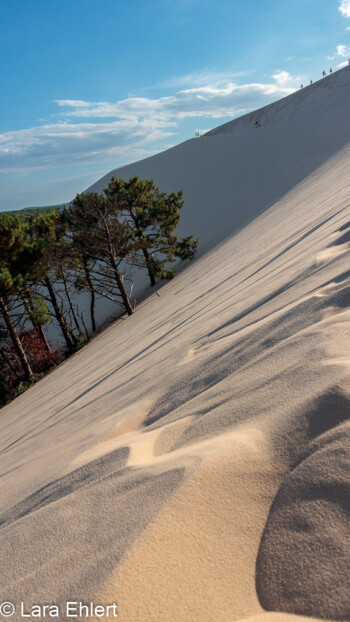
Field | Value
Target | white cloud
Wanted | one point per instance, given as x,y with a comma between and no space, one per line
60,144
73,102
343,50
285,80
344,8
136,126
214,100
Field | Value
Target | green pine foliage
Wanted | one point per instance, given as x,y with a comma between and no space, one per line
49,256
152,217
27,214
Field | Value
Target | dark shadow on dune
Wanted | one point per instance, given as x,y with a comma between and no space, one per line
64,541
303,561
96,470
344,227
341,298
343,239
265,300
340,278
234,357
328,411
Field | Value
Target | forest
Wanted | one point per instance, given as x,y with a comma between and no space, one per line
93,246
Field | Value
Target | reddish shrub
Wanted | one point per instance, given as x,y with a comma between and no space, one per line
39,357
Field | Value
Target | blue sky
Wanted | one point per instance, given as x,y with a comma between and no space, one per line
87,86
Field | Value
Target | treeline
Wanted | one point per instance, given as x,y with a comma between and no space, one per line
28,213
90,247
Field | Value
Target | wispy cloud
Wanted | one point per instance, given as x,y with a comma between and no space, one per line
213,100
134,127
200,78
344,8
80,177
60,144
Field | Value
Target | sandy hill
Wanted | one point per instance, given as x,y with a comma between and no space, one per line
192,462
237,171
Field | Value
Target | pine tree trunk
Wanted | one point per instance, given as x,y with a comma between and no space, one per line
118,278
28,373
144,250
123,292
71,306
146,254
92,293
43,337
149,266
59,315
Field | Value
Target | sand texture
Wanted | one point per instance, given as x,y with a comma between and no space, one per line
192,462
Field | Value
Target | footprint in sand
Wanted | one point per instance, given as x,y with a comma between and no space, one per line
328,290
188,357
338,295
196,352
337,247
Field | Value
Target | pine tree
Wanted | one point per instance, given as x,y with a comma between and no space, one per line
97,231
152,217
49,231
15,258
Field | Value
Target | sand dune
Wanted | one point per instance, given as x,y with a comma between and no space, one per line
193,461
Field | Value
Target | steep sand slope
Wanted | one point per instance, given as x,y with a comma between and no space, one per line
192,462
237,170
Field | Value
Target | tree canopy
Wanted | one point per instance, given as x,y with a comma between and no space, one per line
94,245
152,217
